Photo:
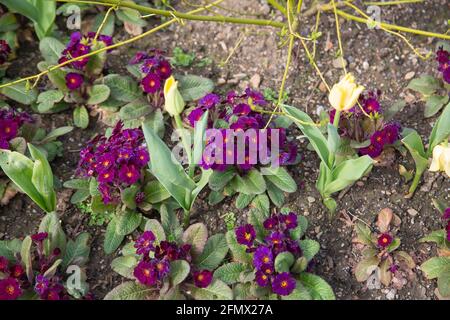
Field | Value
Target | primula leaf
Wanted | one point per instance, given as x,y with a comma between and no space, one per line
77,252
154,226
261,203
127,222
444,283
365,268
219,179
276,195
243,200
135,110
318,288
251,183
51,49
196,235
230,272
309,248
215,250
435,266
81,117
124,89
433,104
125,266
179,270
20,92
237,250
98,94
283,262
194,87
130,291
217,290
280,178
426,84
112,238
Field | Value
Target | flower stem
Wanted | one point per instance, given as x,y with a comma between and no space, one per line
277,5
337,117
415,183
179,15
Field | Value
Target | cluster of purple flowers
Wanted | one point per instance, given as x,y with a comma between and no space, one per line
237,112
152,271
265,253
388,135
156,69
446,216
16,281
443,58
10,123
78,46
116,162
5,51
353,125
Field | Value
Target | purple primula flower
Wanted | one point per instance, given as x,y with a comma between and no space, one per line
271,223
162,267
10,289
144,244
74,80
195,116
242,109
391,132
142,157
124,155
275,238
139,198
246,234
106,176
105,162
16,271
129,174
256,96
203,278
268,269
151,83
149,64
447,228
290,220
4,143
261,279
53,294
42,284
378,138
164,69
283,284
8,129
371,106
209,101
138,58
39,237
145,273
384,240
446,214
372,151
262,255
105,191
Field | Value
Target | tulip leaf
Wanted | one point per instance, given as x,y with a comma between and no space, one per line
441,130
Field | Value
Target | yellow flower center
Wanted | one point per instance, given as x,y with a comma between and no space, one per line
10,290
284,284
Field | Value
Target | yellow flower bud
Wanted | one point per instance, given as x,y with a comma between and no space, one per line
441,159
344,94
174,102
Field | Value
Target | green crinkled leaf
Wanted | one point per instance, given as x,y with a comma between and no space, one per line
154,226
112,238
280,178
318,288
215,250
9,248
261,203
51,49
81,117
426,84
50,96
275,194
124,89
77,252
217,290
78,184
98,94
125,266
135,110
230,273
196,235
194,87
365,268
130,291
300,230
219,179
179,270
243,200
435,266
434,104
309,248
443,283
237,250
127,222
251,183
20,92
283,262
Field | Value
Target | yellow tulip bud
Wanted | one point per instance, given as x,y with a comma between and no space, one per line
344,94
441,159
174,102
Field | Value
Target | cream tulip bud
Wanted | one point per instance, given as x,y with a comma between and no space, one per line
174,102
441,159
345,94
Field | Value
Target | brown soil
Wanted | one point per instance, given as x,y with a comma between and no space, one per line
378,59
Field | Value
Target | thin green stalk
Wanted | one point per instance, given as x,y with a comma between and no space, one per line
337,117
278,6
180,15
390,3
